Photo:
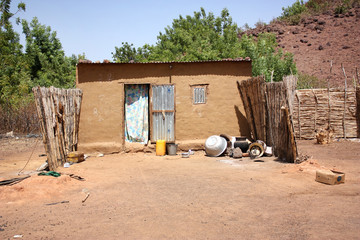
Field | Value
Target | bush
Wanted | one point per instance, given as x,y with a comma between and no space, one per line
317,6
293,14
306,81
20,119
296,9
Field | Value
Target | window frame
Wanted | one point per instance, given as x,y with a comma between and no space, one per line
204,87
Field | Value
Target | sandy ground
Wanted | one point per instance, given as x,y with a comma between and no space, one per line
143,196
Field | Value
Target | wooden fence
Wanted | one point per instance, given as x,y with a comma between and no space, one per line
58,111
267,111
315,109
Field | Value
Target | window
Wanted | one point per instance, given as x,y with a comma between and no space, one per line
199,94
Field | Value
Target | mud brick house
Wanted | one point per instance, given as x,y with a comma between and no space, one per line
175,101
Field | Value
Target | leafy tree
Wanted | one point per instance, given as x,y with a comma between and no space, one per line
199,37
127,52
206,37
48,64
266,60
14,78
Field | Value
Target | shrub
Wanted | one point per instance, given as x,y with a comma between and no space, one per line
293,14
296,9
20,119
306,81
317,6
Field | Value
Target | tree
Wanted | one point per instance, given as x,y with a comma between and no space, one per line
266,60
127,52
199,37
14,78
206,37
48,64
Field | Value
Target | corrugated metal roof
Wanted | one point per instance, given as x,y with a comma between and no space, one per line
247,59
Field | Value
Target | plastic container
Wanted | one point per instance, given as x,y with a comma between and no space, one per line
160,147
215,146
171,148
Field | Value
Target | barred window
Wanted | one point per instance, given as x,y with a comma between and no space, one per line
199,94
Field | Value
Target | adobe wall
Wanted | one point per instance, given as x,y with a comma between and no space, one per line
223,111
101,127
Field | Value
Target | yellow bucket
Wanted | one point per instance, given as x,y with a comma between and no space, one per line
160,147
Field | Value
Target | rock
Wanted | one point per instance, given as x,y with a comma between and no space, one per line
84,61
43,167
324,136
346,47
321,22
295,31
320,47
281,32
9,134
309,45
303,41
319,27
346,34
296,46
237,153
328,44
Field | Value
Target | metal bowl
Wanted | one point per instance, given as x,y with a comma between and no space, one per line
215,146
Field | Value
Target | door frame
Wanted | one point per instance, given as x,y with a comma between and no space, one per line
124,110
151,111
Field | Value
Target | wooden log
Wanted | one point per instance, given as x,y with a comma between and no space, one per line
345,96
299,110
358,110
316,107
242,87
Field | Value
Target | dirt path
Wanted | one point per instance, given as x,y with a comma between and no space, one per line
142,196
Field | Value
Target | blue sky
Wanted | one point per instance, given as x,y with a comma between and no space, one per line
95,27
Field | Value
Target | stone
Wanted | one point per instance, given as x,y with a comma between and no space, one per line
237,153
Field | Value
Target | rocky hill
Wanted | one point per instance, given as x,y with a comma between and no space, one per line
319,40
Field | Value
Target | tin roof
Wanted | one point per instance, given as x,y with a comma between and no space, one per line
247,59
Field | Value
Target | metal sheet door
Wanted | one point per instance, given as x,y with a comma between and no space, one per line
162,111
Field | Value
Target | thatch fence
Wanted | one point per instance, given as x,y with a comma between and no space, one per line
58,111
316,109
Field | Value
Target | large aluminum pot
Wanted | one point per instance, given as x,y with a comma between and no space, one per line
215,146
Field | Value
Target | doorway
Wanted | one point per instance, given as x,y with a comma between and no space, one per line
137,113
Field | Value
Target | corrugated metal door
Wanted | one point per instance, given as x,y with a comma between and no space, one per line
162,103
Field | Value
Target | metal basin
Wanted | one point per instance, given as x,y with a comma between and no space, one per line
215,146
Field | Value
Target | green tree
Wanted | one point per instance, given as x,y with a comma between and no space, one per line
127,52
48,64
14,78
206,37
266,60
199,37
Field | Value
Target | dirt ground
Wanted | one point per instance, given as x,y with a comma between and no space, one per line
143,196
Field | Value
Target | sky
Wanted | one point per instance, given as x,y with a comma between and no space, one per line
95,27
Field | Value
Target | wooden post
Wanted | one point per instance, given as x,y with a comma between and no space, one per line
316,106
299,118
345,96
358,110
